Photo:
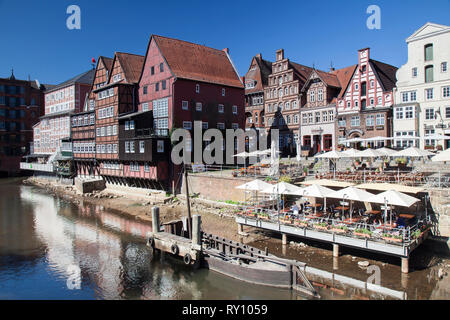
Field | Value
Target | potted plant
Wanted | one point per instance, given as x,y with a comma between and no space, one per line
339,229
305,171
300,223
363,233
321,226
392,237
263,216
286,220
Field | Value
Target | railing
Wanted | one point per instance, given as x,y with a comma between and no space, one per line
36,167
385,233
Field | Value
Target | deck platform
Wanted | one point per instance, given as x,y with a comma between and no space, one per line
398,250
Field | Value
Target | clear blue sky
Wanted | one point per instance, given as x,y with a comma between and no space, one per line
36,41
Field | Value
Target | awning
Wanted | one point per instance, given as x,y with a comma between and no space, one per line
389,186
328,183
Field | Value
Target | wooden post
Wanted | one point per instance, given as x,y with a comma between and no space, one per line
188,203
284,238
155,219
240,228
335,250
196,235
405,265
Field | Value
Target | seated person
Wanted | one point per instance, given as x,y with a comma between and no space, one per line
295,209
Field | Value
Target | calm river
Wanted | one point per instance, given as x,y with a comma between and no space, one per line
51,248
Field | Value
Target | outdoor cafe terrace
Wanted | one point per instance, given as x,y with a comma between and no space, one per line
389,217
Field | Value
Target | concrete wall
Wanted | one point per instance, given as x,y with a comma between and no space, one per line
215,188
440,202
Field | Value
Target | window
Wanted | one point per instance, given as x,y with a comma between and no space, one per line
312,96
163,85
413,95
187,125
304,118
220,108
161,67
409,112
114,130
223,92
145,90
141,146
372,83
205,125
127,125
320,95
145,106
146,167
131,146
160,146
428,74
430,114
429,93
446,92
234,126
157,86
414,72
447,112
370,121
444,67
198,106
235,110
317,117
429,52
405,96
363,68
399,113
220,125
184,105
197,88
356,86
363,89
325,116
131,124
152,70
355,121
380,120
430,142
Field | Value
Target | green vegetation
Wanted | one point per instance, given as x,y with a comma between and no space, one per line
363,231
416,234
341,227
286,179
322,224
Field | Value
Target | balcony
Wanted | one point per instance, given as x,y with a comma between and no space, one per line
36,167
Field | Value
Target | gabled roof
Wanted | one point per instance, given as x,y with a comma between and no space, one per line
386,74
107,62
196,62
131,66
84,78
344,76
427,30
260,74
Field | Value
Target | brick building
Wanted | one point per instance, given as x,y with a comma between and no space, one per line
256,80
283,100
365,107
21,105
83,124
318,126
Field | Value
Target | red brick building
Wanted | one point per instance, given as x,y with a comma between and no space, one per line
183,82
83,124
21,105
256,80
364,107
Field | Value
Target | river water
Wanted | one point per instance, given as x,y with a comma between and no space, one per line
51,248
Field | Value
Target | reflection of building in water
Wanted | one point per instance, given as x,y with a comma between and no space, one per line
17,235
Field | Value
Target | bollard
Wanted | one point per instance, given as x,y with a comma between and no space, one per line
405,265
196,234
284,238
335,250
155,219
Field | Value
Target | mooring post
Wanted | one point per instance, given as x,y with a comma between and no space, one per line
240,228
405,265
284,238
335,250
196,236
155,219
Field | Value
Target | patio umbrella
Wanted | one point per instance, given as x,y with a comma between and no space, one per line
442,156
329,155
328,183
352,194
317,191
393,198
283,188
437,136
412,152
386,151
370,153
255,185
353,140
350,153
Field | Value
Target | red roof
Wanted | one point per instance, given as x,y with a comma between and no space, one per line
196,62
344,76
131,65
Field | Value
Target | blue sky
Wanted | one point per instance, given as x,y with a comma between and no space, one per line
36,41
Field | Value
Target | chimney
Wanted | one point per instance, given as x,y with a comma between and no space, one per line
332,69
259,56
226,50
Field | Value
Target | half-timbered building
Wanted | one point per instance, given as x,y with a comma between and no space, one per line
365,106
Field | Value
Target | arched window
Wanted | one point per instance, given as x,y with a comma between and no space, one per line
428,52
280,93
429,73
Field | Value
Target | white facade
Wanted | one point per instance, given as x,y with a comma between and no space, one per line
422,95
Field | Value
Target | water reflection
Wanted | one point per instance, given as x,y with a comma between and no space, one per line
53,234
